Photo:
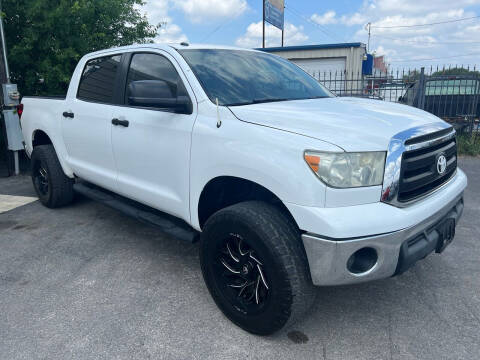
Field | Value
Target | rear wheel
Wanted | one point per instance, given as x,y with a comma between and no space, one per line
255,267
53,187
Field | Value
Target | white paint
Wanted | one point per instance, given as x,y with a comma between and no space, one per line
354,124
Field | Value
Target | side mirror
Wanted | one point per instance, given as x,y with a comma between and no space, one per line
158,94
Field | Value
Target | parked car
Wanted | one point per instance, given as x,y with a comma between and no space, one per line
447,96
285,185
392,91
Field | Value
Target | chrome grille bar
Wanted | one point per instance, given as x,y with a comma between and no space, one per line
397,147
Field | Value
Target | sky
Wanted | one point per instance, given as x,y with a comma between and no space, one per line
394,30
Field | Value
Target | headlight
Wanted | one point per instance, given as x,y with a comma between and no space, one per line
347,170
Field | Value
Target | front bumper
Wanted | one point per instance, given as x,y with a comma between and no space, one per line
348,229
395,251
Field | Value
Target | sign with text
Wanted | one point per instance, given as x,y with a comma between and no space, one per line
274,12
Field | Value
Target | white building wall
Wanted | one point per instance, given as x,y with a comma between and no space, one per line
353,57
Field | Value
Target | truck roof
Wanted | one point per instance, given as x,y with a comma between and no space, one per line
207,46
166,46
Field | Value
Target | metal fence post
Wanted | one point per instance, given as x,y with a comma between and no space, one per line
421,89
475,103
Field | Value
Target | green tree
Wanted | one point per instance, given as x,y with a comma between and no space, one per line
456,71
414,75
46,38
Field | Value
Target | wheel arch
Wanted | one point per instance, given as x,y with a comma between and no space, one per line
223,191
41,137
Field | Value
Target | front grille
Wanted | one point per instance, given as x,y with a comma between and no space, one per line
419,174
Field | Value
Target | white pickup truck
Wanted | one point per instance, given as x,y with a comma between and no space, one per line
285,185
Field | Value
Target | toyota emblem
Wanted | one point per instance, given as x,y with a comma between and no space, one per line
441,164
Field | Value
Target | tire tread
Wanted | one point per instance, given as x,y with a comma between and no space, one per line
61,185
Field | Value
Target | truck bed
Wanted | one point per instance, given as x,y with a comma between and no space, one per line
52,97
42,113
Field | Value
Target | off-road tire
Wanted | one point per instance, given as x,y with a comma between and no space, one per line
276,240
60,187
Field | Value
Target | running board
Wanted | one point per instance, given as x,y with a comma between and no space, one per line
168,224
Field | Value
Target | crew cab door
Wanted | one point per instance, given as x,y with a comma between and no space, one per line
86,120
152,144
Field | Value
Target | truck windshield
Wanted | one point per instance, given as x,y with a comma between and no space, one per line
241,77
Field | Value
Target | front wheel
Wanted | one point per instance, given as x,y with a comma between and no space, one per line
255,267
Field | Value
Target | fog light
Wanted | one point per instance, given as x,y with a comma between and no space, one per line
362,260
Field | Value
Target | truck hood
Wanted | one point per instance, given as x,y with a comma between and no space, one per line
354,124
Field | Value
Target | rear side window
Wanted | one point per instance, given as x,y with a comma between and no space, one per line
98,79
154,67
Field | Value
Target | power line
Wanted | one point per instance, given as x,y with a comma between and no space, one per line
321,28
427,42
437,58
435,23
237,13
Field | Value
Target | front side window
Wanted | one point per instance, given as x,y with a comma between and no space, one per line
98,79
152,77
240,77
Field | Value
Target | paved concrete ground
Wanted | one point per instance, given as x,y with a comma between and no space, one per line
86,282
9,202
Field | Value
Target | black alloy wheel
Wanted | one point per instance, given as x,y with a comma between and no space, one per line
241,272
41,178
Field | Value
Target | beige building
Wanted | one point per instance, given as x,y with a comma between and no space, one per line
337,62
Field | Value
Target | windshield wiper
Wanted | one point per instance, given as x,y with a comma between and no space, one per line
239,103
258,101
267,100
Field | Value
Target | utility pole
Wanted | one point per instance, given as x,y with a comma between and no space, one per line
4,47
263,25
283,27
4,75
368,27
5,155
9,99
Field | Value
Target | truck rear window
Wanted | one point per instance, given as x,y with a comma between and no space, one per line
98,79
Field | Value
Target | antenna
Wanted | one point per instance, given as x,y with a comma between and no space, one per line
219,122
368,27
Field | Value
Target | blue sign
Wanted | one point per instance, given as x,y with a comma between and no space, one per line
274,12
367,65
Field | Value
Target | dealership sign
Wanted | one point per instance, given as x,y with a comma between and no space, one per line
274,12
